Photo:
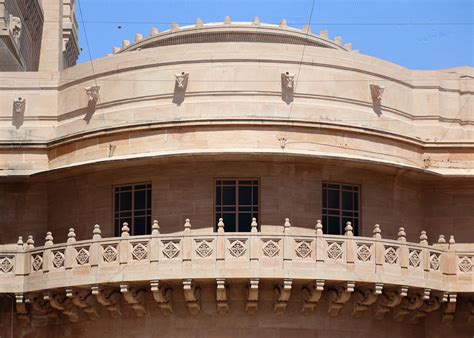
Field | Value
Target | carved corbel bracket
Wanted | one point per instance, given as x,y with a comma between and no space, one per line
450,309
87,302
252,299
288,80
311,295
221,296
21,309
362,299
135,297
109,298
282,294
63,303
429,305
192,294
162,295
41,311
470,308
181,80
408,304
376,92
388,300
92,93
338,296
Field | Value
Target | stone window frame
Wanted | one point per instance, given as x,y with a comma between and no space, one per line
258,213
357,209
148,211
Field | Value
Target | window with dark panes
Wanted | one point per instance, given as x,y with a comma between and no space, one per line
340,205
133,205
237,203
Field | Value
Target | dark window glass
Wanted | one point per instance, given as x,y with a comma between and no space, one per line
340,205
133,205
237,203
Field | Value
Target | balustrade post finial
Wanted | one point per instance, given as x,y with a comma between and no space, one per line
377,233
423,238
348,229
155,228
402,236
71,236
96,233
125,230
451,240
187,225
254,225
220,225
319,227
30,242
441,239
20,241
287,224
48,239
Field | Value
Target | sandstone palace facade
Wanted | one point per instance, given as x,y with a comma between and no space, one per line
232,179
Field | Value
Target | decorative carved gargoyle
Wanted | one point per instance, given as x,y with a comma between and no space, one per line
15,27
338,296
362,299
19,105
288,80
376,92
181,79
92,93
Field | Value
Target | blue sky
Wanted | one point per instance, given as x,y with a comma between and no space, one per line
418,34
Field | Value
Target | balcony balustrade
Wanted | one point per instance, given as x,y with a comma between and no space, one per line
395,274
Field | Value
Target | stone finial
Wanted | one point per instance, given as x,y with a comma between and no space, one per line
125,229
30,242
348,229
48,239
125,43
20,241
155,228
187,224
256,21
71,236
254,225
287,224
324,34
423,238
92,93
441,239
116,50
174,27
199,22
153,31
338,40
19,105
348,46
319,227
220,225
138,37
283,24
306,29
227,20
96,233
377,233
402,236
376,92
451,240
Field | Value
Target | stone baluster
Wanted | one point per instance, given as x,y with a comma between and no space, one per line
450,261
155,245
70,252
287,245
320,244
255,247
94,250
30,243
404,252
124,245
379,248
220,249
187,245
20,267
47,254
425,253
350,244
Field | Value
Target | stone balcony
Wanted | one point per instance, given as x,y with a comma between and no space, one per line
391,275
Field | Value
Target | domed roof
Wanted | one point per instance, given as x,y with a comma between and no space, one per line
228,31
